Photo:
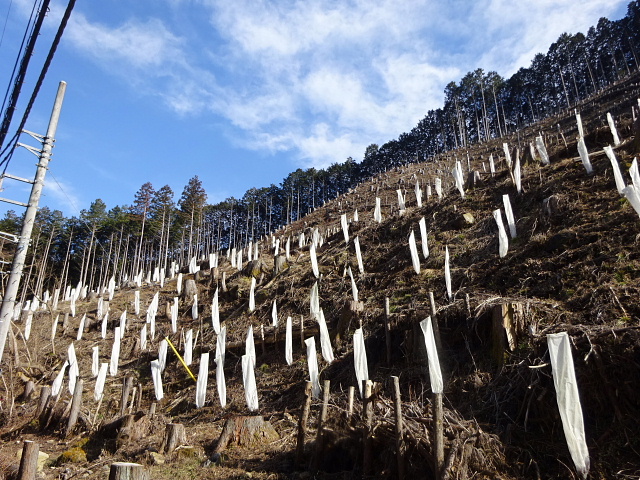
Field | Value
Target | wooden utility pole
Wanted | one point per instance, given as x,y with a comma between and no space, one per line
13,284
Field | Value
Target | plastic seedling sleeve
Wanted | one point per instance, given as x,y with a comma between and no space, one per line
418,194
511,221
377,213
415,260
252,295
312,363
288,344
188,347
95,360
162,354
143,337
325,340
274,314
215,313
614,130
423,237
221,343
542,150
345,227
249,380
356,244
74,371
220,382
502,234
584,155
617,174
314,260
249,344
435,374
201,384
360,358
115,352
103,329
194,307
447,273
568,399
56,386
314,301
99,387
156,375
354,288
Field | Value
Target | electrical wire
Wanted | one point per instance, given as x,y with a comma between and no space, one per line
14,142
6,20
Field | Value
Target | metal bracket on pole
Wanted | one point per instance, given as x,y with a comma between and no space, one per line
13,282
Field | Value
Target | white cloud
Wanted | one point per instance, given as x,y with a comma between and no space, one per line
143,45
322,79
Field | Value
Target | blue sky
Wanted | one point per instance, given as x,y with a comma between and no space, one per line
243,92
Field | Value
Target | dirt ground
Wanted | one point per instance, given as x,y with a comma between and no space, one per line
572,267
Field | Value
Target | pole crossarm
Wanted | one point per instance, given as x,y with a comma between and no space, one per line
13,282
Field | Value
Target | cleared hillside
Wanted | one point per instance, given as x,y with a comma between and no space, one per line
572,267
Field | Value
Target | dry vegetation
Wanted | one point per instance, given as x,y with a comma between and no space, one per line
573,267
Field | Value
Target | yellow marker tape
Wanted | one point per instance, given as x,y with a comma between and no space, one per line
180,358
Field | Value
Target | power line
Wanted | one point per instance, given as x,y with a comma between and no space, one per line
36,90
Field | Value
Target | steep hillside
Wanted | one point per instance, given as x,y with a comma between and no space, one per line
572,267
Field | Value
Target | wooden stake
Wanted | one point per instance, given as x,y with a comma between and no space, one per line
387,329
302,423
438,434
321,422
29,461
399,427
126,390
352,391
434,322
367,459
174,436
45,395
127,471
76,403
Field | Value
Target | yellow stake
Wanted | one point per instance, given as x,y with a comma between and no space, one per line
180,358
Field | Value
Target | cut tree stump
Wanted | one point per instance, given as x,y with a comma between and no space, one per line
29,461
174,436
127,471
132,428
245,430
190,289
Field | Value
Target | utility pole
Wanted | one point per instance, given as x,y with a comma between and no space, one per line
9,299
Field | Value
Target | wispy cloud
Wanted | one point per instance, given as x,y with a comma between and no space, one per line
323,79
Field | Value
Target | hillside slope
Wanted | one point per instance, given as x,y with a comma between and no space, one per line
572,267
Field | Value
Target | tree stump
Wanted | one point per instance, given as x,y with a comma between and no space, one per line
279,265
190,289
127,471
132,428
76,403
174,436
29,461
253,269
29,387
245,430
43,401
